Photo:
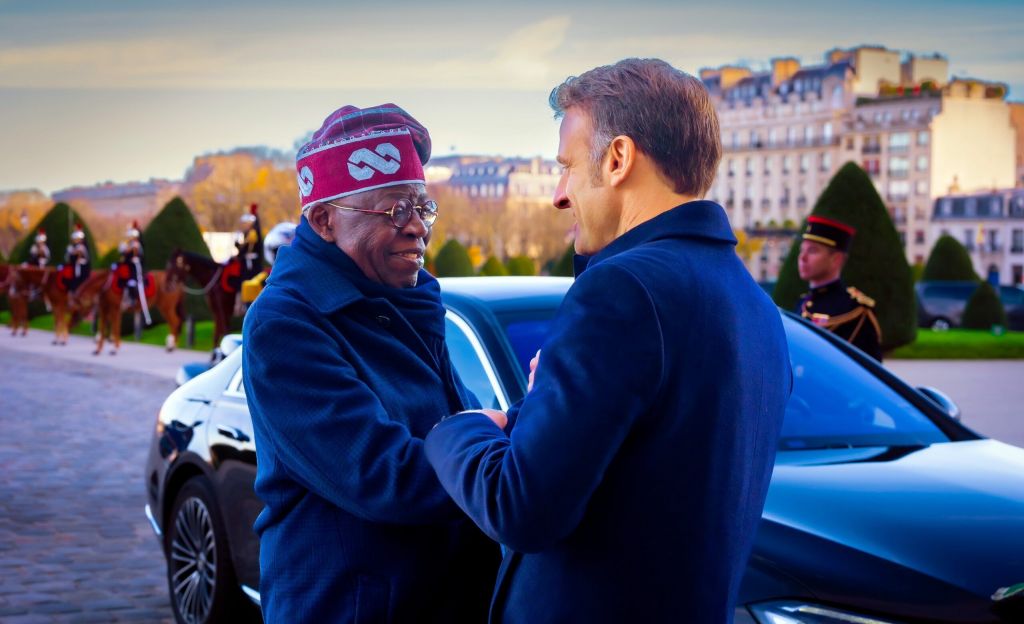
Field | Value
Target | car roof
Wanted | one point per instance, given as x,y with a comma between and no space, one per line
507,293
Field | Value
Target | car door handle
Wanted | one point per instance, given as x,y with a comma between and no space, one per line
232,432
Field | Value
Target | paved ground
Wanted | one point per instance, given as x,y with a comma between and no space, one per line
990,393
74,543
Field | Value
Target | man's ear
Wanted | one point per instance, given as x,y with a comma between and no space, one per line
319,217
620,159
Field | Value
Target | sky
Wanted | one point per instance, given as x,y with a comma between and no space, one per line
119,90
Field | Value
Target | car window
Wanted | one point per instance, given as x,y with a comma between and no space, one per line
236,387
948,291
526,333
837,403
471,362
1011,295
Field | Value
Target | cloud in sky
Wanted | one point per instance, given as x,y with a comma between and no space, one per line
133,90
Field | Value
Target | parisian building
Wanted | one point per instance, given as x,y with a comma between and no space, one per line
917,133
991,226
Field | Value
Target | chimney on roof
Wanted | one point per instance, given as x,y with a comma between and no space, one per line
783,69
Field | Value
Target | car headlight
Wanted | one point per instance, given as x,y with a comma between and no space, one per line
795,612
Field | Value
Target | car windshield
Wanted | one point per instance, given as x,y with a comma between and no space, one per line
836,403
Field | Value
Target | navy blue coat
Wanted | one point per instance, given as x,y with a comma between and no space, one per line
633,480
342,391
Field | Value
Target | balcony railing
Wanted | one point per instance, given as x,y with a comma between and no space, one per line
871,149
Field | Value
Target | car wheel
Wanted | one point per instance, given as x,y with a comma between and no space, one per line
200,578
940,324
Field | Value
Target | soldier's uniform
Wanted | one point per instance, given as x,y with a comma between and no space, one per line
39,252
250,248
131,257
77,256
843,310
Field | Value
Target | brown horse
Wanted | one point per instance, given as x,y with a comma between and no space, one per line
99,291
28,281
184,264
17,300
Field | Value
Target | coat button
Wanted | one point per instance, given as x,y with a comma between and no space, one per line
384,321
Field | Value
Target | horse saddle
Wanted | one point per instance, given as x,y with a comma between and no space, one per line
65,274
124,273
231,276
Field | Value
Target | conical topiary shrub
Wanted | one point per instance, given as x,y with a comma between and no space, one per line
58,223
876,266
521,265
494,267
949,261
984,309
453,261
172,228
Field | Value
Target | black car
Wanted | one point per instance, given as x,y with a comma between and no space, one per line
940,305
882,508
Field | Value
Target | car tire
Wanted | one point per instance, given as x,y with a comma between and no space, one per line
941,324
200,578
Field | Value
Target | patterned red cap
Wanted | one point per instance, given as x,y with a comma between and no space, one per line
358,150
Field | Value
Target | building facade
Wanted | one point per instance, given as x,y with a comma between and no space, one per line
128,201
991,226
787,130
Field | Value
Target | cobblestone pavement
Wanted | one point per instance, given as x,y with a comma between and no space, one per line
75,545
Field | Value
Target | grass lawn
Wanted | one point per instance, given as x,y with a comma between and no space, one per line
962,344
156,335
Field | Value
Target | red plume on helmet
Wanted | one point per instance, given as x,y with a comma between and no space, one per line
253,208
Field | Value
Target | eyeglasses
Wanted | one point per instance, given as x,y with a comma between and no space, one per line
401,212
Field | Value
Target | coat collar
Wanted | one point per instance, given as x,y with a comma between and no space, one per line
695,219
319,272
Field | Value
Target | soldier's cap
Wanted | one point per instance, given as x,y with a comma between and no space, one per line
829,232
357,150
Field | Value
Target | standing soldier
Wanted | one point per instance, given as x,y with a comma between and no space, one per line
77,256
39,252
846,312
250,248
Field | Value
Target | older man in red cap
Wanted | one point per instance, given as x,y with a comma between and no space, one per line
346,370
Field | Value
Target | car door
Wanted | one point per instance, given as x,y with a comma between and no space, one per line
233,456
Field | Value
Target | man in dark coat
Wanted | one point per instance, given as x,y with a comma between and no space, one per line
346,370
630,481
846,312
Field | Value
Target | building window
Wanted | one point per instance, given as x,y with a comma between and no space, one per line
969,239
767,165
921,187
1017,241
755,141
919,237
735,139
899,189
809,135
899,141
898,166
922,163
871,166
1017,207
786,164
771,136
805,162
922,137
826,161
826,132
791,135
731,166
749,167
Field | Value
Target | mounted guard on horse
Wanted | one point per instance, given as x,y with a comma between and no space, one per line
77,262
132,279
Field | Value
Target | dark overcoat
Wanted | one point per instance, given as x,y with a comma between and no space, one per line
342,390
635,474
